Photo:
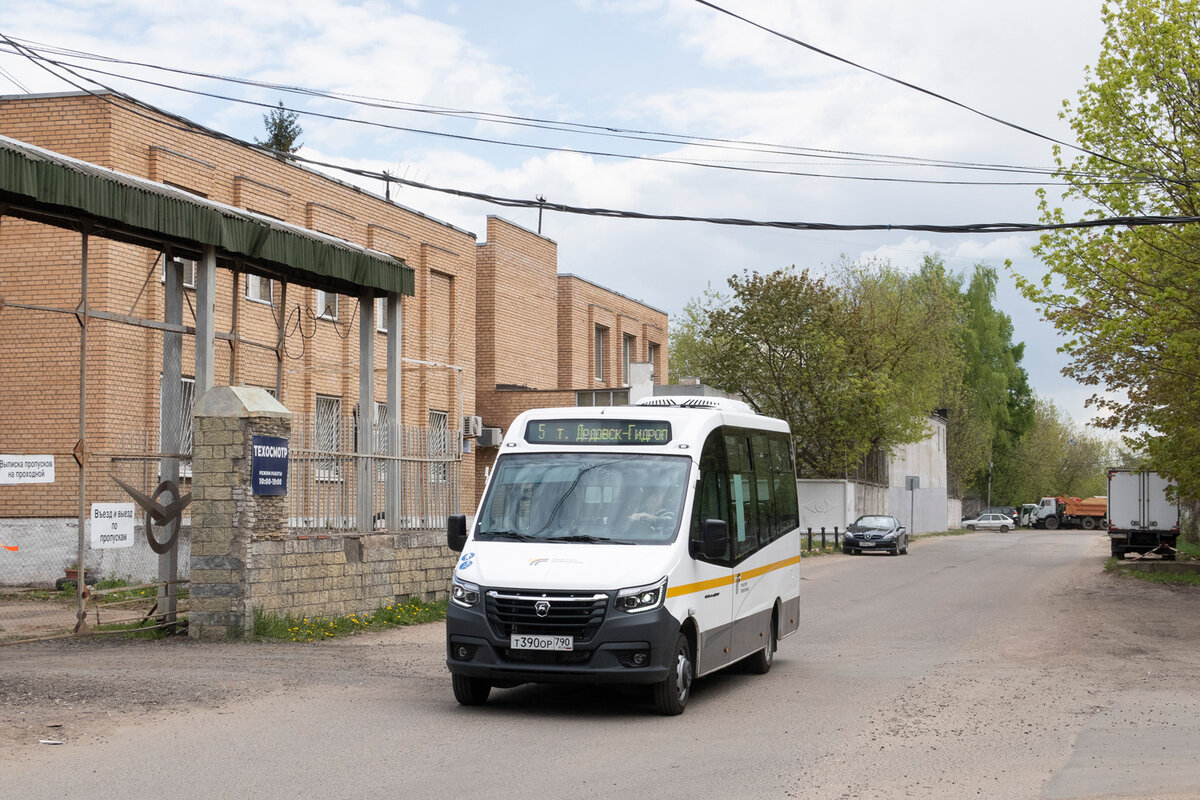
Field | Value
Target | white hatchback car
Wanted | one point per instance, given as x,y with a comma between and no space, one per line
989,522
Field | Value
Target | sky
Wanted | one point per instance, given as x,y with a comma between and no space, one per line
673,66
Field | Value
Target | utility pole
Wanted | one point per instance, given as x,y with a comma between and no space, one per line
541,202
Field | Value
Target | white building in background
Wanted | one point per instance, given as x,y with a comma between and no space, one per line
928,507
883,487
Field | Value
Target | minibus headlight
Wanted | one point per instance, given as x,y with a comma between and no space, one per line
463,593
637,599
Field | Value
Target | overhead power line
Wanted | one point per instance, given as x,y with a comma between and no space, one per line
937,96
37,50
984,227
509,202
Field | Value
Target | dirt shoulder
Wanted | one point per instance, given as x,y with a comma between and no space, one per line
65,689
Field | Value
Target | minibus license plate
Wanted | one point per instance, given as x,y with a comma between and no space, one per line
525,641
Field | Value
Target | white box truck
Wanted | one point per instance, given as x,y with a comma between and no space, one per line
1141,519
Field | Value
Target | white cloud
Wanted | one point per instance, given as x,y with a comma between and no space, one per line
651,65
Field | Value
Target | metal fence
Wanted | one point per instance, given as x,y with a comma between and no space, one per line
325,473
39,577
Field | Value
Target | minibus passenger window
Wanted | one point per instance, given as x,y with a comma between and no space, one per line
745,520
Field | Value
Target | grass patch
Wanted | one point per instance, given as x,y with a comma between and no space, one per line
136,591
311,629
1170,578
134,630
931,534
1191,548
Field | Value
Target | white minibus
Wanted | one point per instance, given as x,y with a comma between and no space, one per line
645,544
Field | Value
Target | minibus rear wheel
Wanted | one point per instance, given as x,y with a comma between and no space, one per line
470,691
671,695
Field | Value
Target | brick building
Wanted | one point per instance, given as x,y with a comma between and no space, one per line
489,330
547,340
298,342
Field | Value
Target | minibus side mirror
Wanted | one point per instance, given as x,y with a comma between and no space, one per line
456,532
714,539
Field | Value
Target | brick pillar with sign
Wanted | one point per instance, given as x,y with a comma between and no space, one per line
239,483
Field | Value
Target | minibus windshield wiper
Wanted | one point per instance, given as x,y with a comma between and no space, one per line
583,537
520,537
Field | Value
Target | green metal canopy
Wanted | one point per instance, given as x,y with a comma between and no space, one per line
54,189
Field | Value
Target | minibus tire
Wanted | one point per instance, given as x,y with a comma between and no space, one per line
760,662
671,694
470,691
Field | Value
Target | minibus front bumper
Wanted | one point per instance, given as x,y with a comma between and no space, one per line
625,648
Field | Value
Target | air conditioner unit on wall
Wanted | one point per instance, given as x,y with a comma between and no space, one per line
471,426
490,437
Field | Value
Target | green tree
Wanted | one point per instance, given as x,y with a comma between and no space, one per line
852,363
1000,399
1056,456
1129,299
283,130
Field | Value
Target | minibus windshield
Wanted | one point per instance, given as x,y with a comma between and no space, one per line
603,498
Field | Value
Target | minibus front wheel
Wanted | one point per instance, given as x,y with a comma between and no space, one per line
671,695
470,691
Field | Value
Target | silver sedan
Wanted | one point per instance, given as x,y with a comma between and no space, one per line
989,522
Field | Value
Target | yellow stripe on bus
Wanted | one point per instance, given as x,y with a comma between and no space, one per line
700,586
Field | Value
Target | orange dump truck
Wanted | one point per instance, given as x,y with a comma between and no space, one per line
1088,513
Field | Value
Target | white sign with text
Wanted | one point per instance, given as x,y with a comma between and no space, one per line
112,525
26,469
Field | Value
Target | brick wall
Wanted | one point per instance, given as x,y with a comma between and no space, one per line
541,356
582,308
336,575
243,561
40,265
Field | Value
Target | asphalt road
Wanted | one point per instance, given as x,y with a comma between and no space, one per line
981,666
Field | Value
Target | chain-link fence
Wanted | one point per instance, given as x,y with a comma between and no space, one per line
83,403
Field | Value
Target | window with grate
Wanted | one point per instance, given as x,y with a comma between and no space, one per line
179,399
438,443
327,436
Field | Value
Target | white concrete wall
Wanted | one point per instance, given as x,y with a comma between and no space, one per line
925,510
827,503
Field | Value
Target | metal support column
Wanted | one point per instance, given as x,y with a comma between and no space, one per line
365,444
395,419
172,421
206,290
81,448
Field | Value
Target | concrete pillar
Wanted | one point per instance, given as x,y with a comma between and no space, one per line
228,518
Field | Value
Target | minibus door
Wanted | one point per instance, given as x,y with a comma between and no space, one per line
714,610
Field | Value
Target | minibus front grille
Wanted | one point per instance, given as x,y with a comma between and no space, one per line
572,658
547,613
